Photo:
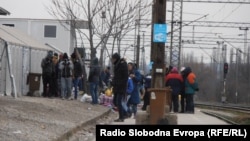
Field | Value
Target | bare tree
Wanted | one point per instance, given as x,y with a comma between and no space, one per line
103,18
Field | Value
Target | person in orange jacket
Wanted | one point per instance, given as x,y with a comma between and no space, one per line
191,86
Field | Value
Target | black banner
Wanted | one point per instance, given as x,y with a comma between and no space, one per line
187,132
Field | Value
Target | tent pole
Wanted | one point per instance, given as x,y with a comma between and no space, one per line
12,78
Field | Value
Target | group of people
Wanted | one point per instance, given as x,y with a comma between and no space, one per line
183,84
60,74
126,87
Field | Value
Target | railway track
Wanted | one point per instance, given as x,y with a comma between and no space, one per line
231,113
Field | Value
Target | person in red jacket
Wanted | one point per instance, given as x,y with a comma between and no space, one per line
174,80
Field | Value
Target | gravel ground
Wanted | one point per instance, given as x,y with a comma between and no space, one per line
43,119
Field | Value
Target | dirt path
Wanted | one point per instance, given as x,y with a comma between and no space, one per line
43,119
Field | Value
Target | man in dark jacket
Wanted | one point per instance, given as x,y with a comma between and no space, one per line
94,78
119,83
47,72
77,74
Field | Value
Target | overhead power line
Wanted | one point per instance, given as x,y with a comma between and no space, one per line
215,1
214,24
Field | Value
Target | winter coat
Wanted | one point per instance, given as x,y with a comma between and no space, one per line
120,79
130,86
77,69
105,76
66,68
191,84
148,79
94,73
135,95
175,81
48,68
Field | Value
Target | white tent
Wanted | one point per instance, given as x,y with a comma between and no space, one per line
20,55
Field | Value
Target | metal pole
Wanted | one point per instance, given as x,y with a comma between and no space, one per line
245,40
138,37
143,53
236,76
224,78
12,77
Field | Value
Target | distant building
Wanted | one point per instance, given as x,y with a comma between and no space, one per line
55,33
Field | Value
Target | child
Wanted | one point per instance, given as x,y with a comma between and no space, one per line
125,102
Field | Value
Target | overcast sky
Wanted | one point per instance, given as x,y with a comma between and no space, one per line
192,11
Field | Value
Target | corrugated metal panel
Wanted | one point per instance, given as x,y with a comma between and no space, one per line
25,70
15,36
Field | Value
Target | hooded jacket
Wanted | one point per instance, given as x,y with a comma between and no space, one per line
94,73
191,84
175,81
48,68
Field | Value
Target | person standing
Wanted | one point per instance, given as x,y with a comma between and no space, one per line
54,84
135,99
105,76
174,80
59,75
146,97
191,86
77,74
130,88
66,68
47,72
93,79
182,94
119,83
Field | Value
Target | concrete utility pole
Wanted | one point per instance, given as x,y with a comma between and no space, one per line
158,49
245,41
246,56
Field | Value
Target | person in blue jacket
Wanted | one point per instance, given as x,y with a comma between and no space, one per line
130,89
134,99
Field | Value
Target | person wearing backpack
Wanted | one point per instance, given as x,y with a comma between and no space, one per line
47,72
66,69
134,100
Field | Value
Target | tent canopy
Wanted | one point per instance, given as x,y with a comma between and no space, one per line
4,12
15,36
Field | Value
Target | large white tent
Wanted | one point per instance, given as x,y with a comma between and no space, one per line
20,55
